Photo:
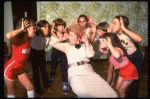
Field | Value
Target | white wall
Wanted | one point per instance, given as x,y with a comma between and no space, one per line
8,19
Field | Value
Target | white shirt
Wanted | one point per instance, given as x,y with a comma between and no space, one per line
127,44
73,54
39,42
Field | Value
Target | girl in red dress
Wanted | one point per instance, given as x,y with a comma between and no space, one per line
14,68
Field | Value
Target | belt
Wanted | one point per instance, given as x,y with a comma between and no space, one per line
79,63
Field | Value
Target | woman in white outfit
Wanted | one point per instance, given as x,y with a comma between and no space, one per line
83,80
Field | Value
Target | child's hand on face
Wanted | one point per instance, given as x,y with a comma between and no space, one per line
108,41
25,24
103,46
76,20
122,23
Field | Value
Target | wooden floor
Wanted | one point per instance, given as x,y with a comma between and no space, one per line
100,66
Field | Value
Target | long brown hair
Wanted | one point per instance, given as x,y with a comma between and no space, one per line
126,23
86,19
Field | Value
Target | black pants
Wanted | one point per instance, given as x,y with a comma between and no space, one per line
38,62
137,59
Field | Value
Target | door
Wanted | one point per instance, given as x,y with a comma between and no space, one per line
20,8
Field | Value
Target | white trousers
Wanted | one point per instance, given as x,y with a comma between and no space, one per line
86,83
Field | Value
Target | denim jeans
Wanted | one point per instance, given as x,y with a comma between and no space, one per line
63,63
137,59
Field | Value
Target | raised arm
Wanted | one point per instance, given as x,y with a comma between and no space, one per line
89,49
91,21
137,38
11,35
76,20
114,51
93,29
56,43
52,30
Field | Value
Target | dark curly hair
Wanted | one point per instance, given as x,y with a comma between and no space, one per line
115,41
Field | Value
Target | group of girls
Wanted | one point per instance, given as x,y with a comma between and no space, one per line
116,40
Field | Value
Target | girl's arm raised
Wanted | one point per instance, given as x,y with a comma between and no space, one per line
91,21
52,30
56,43
114,52
11,35
89,49
137,38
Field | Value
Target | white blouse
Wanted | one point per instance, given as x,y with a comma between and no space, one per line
127,44
73,54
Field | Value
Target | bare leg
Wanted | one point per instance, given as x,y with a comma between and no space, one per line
113,78
123,88
10,86
119,82
24,80
110,73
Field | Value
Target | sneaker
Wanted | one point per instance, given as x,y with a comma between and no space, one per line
65,88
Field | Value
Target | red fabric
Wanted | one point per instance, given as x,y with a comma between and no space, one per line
21,51
119,62
129,72
10,72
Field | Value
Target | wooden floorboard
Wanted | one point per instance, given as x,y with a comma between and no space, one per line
100,67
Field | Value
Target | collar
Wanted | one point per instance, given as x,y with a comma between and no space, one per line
78,45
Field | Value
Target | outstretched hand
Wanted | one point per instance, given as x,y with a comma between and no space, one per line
52,25
76,20
90,19
108,41
67,26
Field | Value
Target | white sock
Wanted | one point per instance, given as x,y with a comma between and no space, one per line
11,96
30,94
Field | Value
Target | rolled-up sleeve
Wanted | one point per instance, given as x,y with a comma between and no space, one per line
89,51
57,44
